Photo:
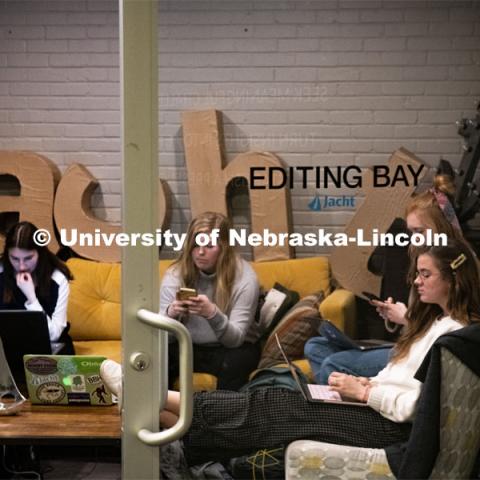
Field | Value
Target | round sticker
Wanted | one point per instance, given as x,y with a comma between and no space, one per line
51,392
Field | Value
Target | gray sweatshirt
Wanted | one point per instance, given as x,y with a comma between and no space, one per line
230,329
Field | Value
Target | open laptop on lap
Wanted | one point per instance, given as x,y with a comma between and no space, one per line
312,392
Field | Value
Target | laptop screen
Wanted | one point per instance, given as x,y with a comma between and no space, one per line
23,332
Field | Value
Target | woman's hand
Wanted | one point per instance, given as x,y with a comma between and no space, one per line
201,305
349,387
177,308
26,285
392,311
363,380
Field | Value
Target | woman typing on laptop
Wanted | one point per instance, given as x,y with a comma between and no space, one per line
33,278
444,298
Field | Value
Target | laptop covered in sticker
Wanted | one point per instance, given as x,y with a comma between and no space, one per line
65,380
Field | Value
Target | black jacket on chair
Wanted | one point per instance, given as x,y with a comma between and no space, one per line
416,458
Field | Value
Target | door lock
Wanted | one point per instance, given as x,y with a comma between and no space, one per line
139,361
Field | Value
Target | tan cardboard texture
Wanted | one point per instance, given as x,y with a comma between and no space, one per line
72,211
208,179
38,177
380,207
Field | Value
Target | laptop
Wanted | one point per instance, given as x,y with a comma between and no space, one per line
334,335
65,380
312,392
22,332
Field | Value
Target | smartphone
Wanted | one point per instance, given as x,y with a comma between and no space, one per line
184,293
371,296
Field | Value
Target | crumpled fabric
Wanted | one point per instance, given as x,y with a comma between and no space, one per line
173,465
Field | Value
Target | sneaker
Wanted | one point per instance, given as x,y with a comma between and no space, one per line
111,373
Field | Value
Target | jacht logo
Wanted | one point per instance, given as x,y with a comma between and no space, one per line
330,202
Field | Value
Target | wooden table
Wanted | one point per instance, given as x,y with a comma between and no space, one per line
62,425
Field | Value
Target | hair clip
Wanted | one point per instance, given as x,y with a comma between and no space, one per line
446,207
458,261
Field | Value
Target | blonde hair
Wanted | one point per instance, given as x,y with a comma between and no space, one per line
227,262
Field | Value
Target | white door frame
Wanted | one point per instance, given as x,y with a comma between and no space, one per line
144,348
140,286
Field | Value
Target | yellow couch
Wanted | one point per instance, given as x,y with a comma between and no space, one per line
94,304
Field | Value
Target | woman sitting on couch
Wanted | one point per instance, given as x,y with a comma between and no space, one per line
33,278
220,314
445,297
429,210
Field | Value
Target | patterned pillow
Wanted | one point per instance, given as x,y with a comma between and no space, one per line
298,325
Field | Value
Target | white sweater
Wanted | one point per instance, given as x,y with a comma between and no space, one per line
395,391
58,321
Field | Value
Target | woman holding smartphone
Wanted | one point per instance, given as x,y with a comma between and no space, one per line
33,278
220,307
429,210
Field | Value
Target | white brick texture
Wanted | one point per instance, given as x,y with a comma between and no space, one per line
330,83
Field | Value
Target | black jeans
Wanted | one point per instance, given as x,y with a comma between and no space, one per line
231,366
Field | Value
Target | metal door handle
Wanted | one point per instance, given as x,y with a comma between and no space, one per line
163,322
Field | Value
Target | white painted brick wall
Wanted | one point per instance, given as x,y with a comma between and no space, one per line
316,82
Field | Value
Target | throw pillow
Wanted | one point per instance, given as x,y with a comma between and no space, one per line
277,302
298,325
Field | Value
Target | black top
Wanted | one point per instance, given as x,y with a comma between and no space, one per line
19,299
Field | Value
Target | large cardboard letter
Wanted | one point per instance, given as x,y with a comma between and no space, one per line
72,211
380,207
208,180
38,177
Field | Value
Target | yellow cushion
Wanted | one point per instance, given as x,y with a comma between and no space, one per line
108,348
201,382
340,308
304,366
94,304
